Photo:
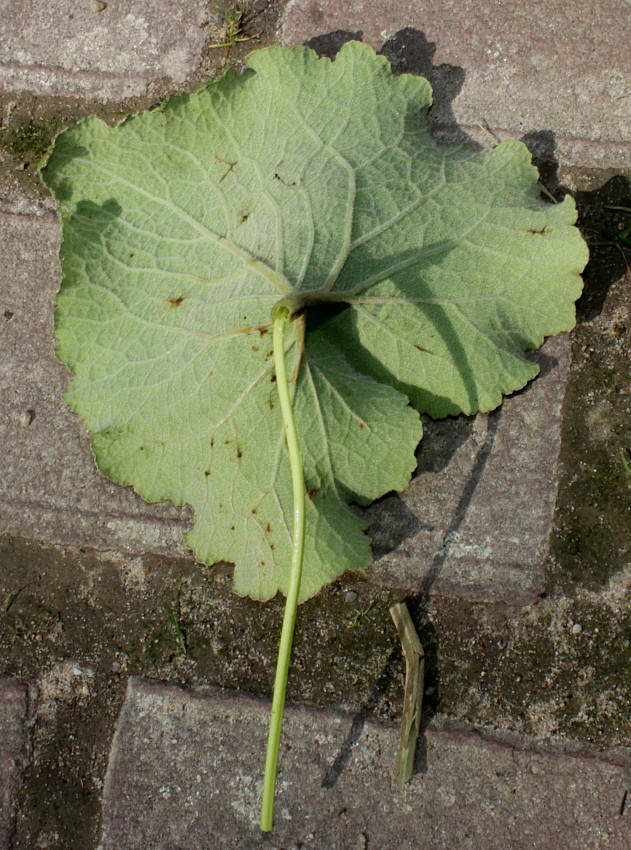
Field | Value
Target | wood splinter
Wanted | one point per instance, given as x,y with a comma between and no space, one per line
413,697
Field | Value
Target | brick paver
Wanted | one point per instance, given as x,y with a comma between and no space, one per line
50,490
185,772
554,66
108,51
480,513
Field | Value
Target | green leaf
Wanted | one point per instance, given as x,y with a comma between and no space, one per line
416,273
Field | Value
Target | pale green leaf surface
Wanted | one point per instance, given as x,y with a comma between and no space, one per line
313,181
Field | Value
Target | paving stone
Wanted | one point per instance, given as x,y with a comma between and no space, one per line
50,490
13,711
185,771
475,521
60,47
545,66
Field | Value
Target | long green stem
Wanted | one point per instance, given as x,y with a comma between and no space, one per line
280,316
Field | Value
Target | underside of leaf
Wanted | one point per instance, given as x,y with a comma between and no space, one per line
418,276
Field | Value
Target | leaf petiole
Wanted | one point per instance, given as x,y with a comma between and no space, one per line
280,315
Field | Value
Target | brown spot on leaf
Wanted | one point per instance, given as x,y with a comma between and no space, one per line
284,182
175,302
239,452
540,232
255,348
227,162
245,217
207,472
268,528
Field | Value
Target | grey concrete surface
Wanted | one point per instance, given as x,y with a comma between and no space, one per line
107,51
475,522
13,713
547,65
185,771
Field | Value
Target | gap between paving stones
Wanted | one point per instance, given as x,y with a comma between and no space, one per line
14,706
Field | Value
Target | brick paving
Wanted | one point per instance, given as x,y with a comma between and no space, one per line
184,769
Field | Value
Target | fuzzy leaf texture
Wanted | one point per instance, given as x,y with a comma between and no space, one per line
419,275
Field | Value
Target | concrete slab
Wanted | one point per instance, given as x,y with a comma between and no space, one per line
185,772
559,65
13,712
474,522
108,51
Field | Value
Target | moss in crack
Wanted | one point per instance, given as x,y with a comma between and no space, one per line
592,536
29,141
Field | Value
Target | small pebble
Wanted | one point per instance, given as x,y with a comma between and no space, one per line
26,417
350,596
577,629
98,5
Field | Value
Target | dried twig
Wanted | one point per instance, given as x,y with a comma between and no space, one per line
413,698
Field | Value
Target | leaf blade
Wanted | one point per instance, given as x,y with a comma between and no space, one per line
312,181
